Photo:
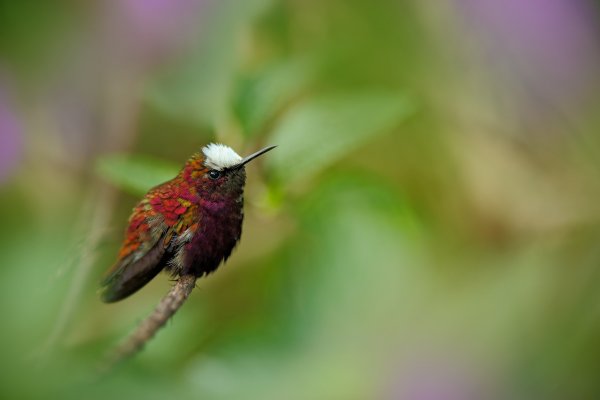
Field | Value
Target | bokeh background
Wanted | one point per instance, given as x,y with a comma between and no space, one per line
427,229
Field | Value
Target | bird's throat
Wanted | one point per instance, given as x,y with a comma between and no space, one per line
219,230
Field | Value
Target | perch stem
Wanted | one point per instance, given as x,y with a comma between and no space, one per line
167,307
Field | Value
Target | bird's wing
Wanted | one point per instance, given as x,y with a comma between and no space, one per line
140,256
159,226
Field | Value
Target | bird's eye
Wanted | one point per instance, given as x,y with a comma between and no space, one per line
214,174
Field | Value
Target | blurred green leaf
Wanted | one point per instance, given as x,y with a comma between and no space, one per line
135,173
199,87
369,237
323,129
262,96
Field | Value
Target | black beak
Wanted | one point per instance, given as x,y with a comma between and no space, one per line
252,156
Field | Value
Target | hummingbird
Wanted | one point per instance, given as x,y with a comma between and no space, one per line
186,226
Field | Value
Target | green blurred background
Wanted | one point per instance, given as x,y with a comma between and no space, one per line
427,229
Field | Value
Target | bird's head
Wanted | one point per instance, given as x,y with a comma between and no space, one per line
219,170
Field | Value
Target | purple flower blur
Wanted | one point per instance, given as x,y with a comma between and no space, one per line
437,377
11,142
154,28
548,47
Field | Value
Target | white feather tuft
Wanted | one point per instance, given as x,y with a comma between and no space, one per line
218,156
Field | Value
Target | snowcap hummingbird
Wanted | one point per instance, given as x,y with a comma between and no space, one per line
187,225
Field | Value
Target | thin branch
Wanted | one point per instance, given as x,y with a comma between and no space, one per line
97,210
167,307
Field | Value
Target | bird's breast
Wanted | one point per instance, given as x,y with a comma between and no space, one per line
219,230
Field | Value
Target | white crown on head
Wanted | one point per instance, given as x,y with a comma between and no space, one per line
218,156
